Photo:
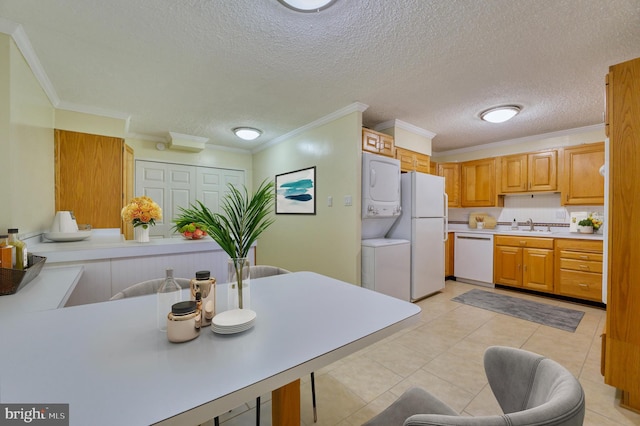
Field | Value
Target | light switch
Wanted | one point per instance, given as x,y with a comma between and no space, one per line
329,201
347,200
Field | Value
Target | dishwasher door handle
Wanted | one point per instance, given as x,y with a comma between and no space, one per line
464,237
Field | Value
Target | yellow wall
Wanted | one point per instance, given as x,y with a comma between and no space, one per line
26,145
408,140
329,241
89,123
574,137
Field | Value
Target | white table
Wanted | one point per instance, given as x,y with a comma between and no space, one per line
108,361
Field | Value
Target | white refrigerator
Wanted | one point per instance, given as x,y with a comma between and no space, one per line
424,222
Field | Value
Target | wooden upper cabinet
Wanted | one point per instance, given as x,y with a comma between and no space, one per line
581,181
89,177
433,168
411,161
451,174
478,179
378,143
529,172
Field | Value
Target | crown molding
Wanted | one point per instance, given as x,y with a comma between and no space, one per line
68,106
16,31
354,107
525,139
405,126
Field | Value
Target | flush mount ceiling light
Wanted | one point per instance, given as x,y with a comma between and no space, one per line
247,133
307,5
500,114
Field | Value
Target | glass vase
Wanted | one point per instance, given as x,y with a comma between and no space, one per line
239,291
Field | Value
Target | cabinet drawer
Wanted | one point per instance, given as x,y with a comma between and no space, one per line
583,285
578,245
580,265
528,242
580,255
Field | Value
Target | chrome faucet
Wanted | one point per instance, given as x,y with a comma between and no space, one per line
530,223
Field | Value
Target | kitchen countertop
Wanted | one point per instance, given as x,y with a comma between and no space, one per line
110,246
558,233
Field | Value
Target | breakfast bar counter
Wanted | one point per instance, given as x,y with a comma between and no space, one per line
110,363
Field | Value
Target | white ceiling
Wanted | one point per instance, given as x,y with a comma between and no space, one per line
203,67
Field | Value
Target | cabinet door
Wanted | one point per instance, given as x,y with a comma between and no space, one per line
582,184
433,168
407,159
449,255
88,177
370,141
386,145
422,163
478,183
451,174
514,173
537,270
507,266
542,171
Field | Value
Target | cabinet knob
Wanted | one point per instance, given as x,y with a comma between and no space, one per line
583,285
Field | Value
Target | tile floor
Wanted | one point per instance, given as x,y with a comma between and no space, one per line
443,353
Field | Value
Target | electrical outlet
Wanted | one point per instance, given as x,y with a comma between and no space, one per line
347,200
329,201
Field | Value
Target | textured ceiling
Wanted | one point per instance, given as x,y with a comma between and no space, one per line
203,67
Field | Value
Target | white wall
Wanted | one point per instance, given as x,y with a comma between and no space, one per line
26,145
329,241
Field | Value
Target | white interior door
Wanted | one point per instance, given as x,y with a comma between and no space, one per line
177,185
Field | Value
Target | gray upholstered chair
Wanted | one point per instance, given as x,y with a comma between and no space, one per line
147,287
531,390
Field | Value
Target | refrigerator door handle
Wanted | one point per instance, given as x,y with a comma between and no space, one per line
446,217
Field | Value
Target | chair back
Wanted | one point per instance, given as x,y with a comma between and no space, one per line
532,389
147,287
259,271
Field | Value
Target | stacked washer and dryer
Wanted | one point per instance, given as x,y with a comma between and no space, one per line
386,262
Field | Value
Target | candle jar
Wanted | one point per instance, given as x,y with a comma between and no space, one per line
183,322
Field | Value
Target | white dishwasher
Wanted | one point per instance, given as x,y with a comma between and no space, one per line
474,258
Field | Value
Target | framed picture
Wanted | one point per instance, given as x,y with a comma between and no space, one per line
296,192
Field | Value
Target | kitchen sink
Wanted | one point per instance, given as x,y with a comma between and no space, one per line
528,231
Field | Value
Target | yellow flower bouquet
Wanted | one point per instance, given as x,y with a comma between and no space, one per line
142,211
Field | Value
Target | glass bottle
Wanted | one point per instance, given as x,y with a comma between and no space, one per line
20,261
7,252
169,293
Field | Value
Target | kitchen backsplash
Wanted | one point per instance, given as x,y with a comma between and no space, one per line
541,208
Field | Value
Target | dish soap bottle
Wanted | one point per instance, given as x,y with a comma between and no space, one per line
169,294
514,225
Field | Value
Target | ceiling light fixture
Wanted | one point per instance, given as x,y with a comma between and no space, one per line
247,133
307,5
500,114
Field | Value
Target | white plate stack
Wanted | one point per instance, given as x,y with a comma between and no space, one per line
233,321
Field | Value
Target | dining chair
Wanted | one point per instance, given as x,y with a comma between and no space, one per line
531,390
147,287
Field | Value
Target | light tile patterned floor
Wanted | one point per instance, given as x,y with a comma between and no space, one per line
443,353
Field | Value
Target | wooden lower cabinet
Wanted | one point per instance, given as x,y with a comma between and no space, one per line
524,262
579,269
449,251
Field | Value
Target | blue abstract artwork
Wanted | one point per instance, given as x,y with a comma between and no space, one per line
295,192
